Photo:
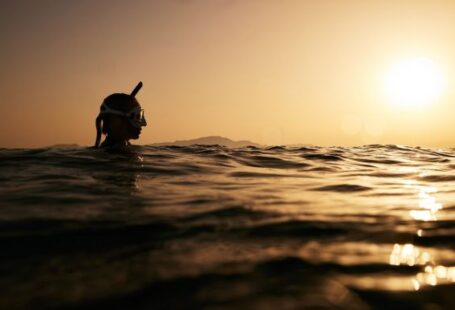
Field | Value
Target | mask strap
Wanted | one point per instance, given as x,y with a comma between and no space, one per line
108,110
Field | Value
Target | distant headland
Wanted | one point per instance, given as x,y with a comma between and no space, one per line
211,140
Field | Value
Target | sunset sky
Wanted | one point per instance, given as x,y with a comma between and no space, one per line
269,71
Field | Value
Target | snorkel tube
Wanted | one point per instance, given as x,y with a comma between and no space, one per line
99,118
136,89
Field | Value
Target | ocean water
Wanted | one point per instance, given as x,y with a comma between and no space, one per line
210,227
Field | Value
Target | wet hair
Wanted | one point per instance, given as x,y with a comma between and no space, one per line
120,102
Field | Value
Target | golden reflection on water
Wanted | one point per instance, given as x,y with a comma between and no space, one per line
411,255
432,274
428,206
408,254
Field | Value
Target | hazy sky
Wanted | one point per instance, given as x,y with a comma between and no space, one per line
271,71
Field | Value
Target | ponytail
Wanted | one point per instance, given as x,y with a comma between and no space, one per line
98,130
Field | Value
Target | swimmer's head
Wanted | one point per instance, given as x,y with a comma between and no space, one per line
121,117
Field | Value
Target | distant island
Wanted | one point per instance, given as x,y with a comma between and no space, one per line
211,140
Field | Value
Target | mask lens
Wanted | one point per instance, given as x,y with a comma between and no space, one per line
142,118
137,118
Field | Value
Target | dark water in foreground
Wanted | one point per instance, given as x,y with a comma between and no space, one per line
217,228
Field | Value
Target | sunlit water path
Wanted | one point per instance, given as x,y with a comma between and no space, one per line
213,227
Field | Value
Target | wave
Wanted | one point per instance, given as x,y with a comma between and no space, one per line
209,226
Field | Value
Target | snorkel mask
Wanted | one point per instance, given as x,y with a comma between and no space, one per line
135,116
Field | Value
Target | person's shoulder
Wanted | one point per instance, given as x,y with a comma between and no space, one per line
115,147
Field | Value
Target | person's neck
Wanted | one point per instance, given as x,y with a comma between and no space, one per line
112,142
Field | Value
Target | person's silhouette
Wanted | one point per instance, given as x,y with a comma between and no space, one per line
120,119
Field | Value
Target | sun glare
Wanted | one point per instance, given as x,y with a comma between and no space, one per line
414,82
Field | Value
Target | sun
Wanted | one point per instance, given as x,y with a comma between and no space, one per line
414,82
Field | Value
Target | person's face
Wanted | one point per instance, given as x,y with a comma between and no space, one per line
121,129
133,132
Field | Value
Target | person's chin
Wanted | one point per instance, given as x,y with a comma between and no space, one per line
135,135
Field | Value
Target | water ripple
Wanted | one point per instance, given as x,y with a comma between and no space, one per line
211,227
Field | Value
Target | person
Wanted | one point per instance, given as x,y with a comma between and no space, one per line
121,118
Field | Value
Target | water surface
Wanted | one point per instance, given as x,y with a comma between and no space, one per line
219,228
